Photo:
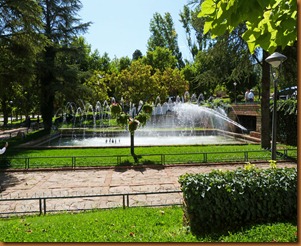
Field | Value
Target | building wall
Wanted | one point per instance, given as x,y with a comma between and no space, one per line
248,115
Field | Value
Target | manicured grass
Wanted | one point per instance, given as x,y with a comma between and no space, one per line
149,155
130,225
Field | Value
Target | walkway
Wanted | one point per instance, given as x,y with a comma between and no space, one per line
97,181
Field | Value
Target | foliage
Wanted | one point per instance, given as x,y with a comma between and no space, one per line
133,125
214,68
287,121
96,88
160,58
269,23
122,119
147,108
140,75
60,27
115,109
19,46
163,34
237,198
193,24
137,54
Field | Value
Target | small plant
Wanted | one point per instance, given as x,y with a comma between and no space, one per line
248,166
273,163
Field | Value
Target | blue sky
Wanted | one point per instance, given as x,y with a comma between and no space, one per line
122,26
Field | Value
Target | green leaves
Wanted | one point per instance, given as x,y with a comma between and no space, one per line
270,23
236,198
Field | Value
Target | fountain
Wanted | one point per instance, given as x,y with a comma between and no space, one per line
183,121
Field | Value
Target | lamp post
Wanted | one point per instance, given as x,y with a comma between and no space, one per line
275,60
235,84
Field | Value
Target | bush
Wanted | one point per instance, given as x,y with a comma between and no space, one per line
287,121
225,200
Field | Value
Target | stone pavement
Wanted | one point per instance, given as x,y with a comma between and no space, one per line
68,183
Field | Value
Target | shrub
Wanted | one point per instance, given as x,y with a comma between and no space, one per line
115,109
225,200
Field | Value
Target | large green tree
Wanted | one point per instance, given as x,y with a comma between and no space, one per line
194,27
138,82
160,58
61,25
163,34
19,44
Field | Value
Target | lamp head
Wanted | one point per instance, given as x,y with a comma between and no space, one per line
275,59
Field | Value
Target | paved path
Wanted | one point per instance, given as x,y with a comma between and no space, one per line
94,182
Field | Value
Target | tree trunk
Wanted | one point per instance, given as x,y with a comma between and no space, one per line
265,104
132,144
47,90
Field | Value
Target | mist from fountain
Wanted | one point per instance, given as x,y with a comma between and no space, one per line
183,117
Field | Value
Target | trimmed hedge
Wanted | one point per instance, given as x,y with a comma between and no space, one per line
220,201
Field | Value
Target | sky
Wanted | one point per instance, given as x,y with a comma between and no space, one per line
121,26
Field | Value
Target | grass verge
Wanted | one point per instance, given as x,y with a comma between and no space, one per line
130,225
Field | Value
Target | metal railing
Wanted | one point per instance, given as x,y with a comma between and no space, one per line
44,205
73,162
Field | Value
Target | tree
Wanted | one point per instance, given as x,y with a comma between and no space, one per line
132,123
19,44
172,83
61,25
160,58
269,24
163,34
226,62
137,54
97,89
194,25
134,83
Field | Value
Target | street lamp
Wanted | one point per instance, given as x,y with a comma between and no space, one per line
275,60
235,84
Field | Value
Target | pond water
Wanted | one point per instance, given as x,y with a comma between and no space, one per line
145,141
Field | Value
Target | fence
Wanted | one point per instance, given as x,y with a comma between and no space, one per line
74,162
44,205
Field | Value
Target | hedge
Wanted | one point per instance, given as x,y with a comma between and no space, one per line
226,200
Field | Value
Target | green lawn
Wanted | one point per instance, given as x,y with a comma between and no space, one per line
82,157
130,225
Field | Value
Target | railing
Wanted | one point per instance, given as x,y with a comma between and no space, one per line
73,162
44,205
